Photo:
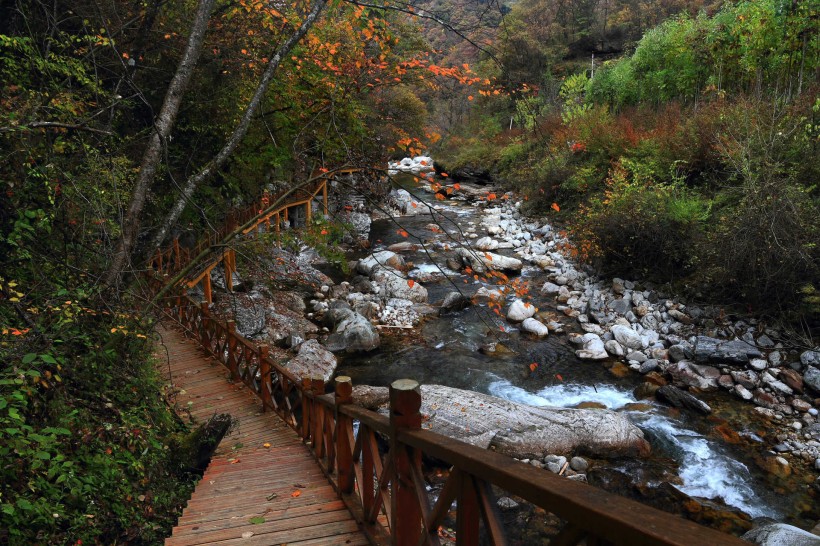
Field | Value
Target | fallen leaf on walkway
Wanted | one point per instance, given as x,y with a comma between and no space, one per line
247,534
271,496
256,520
266,445
295,493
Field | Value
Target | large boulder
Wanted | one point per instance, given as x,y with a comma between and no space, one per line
811,377
535,327
351,331
519,430
709,349
690,374
481,262
781,534
312,360
453,301
682,399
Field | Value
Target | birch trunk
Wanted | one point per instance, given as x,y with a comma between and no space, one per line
241,129
159,136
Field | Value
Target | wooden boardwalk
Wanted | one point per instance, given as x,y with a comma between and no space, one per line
262,486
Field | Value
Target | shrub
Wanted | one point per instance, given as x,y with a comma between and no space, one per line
641,227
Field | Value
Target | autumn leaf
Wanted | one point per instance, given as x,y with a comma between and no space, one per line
295,493
266,445
403,233
444,175
439,197
555,207
456,186
533,366
491,196
558,376
411,283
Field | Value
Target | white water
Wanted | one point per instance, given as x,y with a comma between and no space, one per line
705,469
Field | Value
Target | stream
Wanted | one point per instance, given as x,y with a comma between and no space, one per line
688,450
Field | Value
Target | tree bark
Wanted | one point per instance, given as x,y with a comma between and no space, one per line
241,129
153,153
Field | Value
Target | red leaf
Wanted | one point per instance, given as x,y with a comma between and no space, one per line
555,207
411,283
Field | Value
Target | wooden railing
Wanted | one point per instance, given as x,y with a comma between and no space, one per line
385,489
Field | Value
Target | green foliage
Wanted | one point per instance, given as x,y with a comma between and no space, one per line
572,96
640,227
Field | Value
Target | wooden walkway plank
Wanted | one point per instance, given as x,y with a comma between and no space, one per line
250,494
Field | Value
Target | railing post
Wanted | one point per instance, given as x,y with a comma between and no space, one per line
231,324
203,325
177,264
226,267
306,387
308,212
344,424
206,287
264,371
405,402
317,387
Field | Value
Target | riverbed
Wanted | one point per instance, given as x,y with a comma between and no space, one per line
477,349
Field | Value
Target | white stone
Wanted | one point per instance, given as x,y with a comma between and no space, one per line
520,310
534,327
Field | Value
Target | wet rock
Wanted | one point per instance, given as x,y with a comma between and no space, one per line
645,390
708,349
620,306
764,399
394,285
312,360
636,356
682,399
506,503
781,534
534,327
725,381
648,366
520,310
743,392
453,301
747,378
775,385
403,246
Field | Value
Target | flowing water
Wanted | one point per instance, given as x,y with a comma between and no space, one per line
448,350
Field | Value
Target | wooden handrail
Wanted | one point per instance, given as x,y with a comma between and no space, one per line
386,491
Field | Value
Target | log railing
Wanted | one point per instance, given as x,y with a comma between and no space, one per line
374,461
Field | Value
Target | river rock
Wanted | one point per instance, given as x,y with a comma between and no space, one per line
781,534
550,289
614,348
518,430
626,336
520,310
403,246
534,327
709,349
682,399
385,258
791,378
681,351
621,306
758,364
481,262
453,301
394,285
351,331
693,375
810,358
811,377
312,360
593,348
486,243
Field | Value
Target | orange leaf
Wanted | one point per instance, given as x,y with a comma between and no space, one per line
456,186
411,283
414,205
324,232
470,97
555,207
489,257
439,197
533,366
491,196
403,233
295,493
558,376
445,175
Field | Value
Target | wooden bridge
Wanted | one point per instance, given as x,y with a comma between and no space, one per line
308,467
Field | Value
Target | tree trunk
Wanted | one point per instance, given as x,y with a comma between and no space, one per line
239,132
159,136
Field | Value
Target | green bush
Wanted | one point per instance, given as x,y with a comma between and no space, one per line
640,228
